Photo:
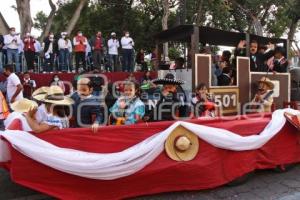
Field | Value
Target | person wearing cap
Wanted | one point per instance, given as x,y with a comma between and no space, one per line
127,49
55,103
167,107
113,46
13,42
50,49
98,44
264,95
65,49
29,51
80,43
88,104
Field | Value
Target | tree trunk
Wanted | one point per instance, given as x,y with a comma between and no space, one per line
257,27
23,9
76,16
292,29
46,31
199,13
166,14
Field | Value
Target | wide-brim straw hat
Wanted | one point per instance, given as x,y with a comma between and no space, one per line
267,81
169,79
182,145
54,95
40,91
23,105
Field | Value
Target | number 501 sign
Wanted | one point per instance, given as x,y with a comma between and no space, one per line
227,99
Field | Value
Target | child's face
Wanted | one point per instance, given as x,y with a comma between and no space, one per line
84,90
129,90
202,91
26,76
170,88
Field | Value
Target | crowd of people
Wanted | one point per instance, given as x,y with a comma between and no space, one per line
49,108
56,53
263,58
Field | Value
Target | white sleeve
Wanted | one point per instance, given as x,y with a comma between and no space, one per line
19,41
132,42
70,46
109,44
7,39
15,80
85,41
123,42
118,44
33,83
75,42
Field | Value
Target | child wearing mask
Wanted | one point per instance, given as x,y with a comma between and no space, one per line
88,104
128,109
56,81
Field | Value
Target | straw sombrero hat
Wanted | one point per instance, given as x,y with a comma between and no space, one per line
42,90
267,81
23,105
54,95
169,79
182,144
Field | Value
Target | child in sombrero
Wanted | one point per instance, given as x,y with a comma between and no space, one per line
264,95
55,103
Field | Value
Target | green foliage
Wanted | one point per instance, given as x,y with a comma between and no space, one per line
40,20
174,53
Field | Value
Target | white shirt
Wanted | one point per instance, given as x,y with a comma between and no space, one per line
10,44
113,45
37,46
65,44
12,82
41,113
127,43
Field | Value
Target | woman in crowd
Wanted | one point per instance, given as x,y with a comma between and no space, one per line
203,102
128,109
55,103
56,81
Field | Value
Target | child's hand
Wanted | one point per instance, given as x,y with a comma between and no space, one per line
95,127
122,104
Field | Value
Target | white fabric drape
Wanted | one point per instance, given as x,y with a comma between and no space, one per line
111,166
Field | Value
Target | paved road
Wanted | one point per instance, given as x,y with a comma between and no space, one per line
265,185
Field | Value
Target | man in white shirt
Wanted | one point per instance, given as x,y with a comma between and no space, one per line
127,49
14,87
13,42
65,49
113,45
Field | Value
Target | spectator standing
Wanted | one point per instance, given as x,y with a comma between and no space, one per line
14,90
29,51
140,59
13,41
97,43
28,85
65,49
127,49
50,49
113,45
280,63
1,53
80,43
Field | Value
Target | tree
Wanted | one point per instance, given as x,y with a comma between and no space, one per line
23,9
166,14
49,22
76,16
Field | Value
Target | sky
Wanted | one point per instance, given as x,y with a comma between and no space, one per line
12,18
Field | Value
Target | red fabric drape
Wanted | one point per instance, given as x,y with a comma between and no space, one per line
212,166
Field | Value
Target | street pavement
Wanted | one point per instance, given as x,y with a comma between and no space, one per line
263,185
